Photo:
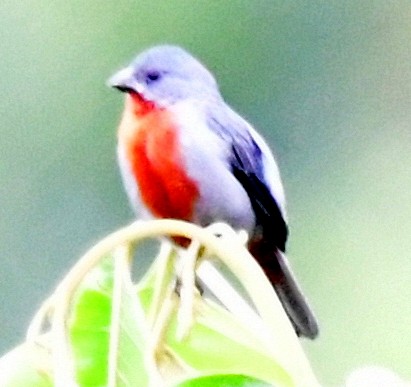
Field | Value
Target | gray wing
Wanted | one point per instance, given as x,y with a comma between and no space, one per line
247,164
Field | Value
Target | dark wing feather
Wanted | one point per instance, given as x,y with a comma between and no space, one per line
270,236
268,214
247,166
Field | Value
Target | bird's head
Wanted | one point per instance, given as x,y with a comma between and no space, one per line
165,75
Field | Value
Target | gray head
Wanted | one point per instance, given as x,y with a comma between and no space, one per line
165,74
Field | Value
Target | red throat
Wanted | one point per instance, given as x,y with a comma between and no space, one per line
151,140
139,105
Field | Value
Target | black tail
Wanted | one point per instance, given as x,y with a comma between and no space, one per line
278,271
269,238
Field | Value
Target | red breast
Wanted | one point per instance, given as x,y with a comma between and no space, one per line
150,136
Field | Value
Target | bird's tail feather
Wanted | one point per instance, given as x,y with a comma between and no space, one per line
291,296
293,300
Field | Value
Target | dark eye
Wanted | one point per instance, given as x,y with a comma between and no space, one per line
152,76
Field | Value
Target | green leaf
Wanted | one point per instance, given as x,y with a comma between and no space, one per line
219,344
90,326
99,313
224,381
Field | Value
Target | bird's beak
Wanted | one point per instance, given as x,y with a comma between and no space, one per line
125,81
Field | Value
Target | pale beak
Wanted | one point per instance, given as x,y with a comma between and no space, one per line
125,81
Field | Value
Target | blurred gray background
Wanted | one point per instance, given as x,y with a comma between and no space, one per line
327,83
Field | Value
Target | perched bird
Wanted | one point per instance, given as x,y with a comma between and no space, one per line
185,154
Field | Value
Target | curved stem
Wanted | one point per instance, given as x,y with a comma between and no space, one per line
228,249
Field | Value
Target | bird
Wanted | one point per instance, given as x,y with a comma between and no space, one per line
185,154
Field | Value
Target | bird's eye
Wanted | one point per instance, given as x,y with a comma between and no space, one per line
153,76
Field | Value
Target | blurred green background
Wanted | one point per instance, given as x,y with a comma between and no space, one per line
327,83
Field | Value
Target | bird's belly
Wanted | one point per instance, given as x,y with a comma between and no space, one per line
224,201
152,149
